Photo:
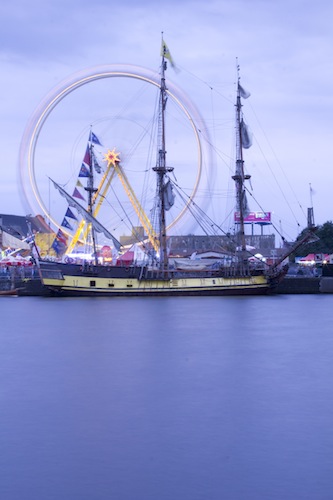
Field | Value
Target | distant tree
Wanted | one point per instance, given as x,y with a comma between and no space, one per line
324,244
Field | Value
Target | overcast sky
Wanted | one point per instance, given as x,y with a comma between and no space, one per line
284,49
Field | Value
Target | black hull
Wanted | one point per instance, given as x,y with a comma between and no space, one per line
173,293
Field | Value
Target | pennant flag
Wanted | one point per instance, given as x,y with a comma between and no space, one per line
70,214
87,157
79,184
93,138
84,172
77,194
243,93
165,52
65,223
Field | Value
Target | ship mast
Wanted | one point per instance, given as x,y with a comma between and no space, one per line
240,177
161,168
91,191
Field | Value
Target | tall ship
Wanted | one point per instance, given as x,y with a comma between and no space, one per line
157,274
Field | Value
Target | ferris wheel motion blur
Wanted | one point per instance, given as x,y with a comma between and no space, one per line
117,103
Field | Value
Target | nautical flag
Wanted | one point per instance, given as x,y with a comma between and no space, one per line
79,184
165,52
93,138
57,247
61,237
65,223
243,93
84,172
87,157
97,166
70,214
77,194
60,242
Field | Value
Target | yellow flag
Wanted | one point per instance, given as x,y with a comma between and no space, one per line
166,53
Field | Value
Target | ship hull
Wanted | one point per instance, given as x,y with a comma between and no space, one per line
140,282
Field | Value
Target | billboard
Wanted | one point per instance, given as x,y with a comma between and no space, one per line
255,218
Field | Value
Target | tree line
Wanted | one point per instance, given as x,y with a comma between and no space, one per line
324,244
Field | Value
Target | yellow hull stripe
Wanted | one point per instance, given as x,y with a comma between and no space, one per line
85,284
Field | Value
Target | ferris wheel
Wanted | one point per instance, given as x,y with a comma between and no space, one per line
115,106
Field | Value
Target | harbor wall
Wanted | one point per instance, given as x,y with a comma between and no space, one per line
300,285
305,284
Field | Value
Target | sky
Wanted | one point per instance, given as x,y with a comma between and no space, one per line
284,52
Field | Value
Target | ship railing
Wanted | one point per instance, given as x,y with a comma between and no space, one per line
160,274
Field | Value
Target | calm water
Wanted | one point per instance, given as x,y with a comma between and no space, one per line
166,399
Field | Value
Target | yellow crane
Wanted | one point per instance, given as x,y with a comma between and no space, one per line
114,167
113,161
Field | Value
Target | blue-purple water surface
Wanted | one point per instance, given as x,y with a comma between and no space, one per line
200,398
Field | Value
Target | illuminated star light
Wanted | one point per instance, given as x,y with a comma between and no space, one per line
112,157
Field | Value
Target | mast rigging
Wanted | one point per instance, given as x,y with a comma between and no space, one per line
161,168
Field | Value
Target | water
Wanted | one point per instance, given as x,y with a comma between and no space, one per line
166,399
